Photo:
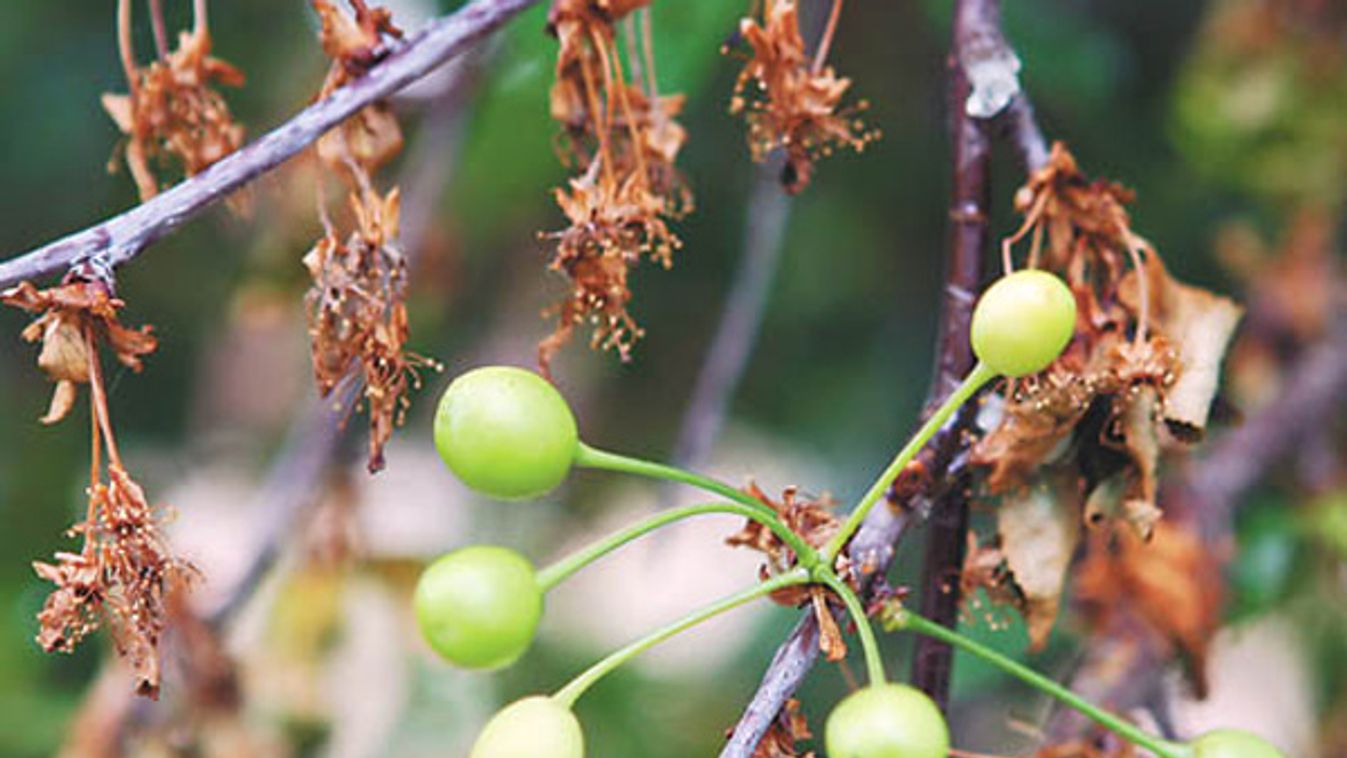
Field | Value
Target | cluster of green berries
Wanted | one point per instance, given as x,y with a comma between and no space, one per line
508,433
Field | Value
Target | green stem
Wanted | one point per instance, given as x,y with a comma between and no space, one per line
592,457
568,694
559,571
976,378
874,663
905,619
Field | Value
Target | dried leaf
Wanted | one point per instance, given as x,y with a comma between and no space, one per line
1200,325
1172,582
1039,528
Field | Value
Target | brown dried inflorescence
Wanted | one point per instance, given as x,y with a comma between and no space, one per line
354,42
173,109
1140,372
358,315
792,100
357,305
1080,444
814,521
124,570
119,579
624,137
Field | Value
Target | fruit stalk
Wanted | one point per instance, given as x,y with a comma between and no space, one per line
559,571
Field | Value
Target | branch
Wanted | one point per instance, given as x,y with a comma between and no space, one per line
977,49
123,237
980,53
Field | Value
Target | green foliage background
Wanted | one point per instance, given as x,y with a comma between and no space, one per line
845,350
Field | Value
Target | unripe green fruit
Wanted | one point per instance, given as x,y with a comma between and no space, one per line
1233,743
1022,322
887,721
535,727
506,432
479,606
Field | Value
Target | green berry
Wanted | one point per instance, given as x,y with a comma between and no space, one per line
1023,322
887,721
506,432
479,606
535,727
1233,743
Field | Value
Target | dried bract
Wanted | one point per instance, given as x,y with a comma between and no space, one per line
65,313
792,101
788,728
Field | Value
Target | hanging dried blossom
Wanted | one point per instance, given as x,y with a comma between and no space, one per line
371,137
791,100
625,137
173,109
358,316
122,574
357,304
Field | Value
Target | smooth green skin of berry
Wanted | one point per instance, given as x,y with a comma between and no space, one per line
1023,322
887,721
1233,743
506,432
479,606
535,727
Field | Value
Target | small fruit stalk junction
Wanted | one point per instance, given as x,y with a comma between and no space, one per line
509,434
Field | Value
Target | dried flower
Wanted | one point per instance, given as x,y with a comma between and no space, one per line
358,316
119,579
790,100
626,138
173,108
66,313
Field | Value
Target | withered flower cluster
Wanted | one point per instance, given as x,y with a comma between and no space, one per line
1080,444
357,304
173,109
813,519
124,571
791,100
623,137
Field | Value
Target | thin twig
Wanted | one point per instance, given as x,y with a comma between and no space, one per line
123,237
737,332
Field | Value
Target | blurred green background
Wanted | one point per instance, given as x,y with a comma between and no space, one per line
833,385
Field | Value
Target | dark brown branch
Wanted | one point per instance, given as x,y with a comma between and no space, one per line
976,29
121,238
